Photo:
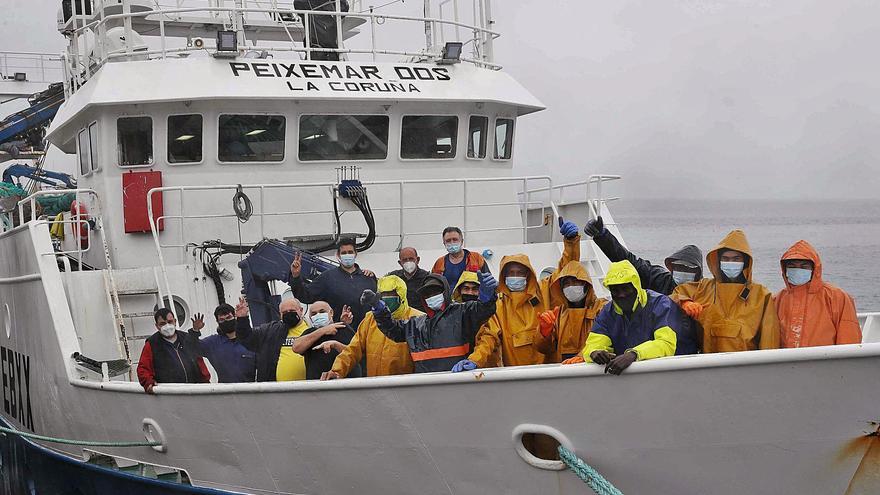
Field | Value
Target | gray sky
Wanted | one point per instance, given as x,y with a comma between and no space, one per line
761,99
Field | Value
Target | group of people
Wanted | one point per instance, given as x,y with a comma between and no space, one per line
457,317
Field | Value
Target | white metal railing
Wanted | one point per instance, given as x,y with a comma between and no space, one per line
37,67
80,66
870,323
260,211
594,199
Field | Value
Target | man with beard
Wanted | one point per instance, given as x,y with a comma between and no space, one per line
233,361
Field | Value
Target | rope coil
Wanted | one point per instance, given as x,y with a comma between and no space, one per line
587,473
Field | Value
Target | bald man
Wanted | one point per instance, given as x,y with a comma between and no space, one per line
273,341
323,341
413,275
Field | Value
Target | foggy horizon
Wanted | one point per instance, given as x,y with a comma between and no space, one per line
688,99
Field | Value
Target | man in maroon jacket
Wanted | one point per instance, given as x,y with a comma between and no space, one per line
170,356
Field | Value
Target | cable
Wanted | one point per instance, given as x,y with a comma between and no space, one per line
242,205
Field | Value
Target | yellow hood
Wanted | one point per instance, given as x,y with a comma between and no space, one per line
737,241
466,276
532,288
395,283
623,272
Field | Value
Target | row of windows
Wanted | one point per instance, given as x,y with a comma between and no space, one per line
260,138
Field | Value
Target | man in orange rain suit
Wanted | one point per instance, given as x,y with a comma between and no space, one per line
813,312
736,314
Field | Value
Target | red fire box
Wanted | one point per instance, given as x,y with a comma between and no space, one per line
135,186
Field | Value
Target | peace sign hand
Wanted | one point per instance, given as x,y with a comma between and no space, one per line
296,266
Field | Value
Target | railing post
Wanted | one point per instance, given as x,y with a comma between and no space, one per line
400,205
162,35
429,29
465,203
126,10
339,29
372,33
524,209
307,20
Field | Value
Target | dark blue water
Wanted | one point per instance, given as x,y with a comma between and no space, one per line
846,234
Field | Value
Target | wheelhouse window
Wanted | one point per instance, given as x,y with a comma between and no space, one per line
184,138
503,139
251,138
343,137
93,145
134,140
477,131
85,155
429,137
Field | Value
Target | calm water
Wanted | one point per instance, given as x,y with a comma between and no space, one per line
846,234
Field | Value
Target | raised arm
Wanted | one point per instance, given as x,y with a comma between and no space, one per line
476,313
307,293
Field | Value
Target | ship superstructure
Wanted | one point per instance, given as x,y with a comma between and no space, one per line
205,132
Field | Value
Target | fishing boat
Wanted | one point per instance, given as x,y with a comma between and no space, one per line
187,195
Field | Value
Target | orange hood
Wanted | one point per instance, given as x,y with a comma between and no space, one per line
735,240
802,250
571,269
532,288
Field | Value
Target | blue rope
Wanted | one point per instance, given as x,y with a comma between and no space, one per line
587,474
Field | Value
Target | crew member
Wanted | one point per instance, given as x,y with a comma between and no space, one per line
813,312
169,356
458,260
233,362
412,274
273,341
323,341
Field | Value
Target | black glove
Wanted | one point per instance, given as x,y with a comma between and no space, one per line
369,299
595,228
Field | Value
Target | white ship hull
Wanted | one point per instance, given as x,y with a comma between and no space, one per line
786,421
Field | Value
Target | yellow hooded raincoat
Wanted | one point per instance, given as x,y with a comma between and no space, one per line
574,324
493,359
384,356
515,324
736,317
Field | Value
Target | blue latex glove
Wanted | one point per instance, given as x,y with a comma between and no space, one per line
464,365
569,230
488,284
595,228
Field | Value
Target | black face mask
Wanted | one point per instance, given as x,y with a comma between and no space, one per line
227,326
291,318
469,297
626,303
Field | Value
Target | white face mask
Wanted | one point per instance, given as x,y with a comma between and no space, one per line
347,260
167,330
409,266
683,277
732,269
575,293
320,320
435,302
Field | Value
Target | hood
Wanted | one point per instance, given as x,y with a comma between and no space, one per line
623,272
439,280
802,250
395,283
735,240
532,288
690,254
466,276
571,269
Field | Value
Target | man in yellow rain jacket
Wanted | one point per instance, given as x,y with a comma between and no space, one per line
384,356
563,330
639,325
521,298
736,314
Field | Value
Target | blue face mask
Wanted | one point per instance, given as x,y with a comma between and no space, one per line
435,302
732,269
320,320
798,276
515,284
453,247
347,260
683,277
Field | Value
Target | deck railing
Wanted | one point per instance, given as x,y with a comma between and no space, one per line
36,67
243,17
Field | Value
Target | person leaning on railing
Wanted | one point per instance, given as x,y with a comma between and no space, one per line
170,356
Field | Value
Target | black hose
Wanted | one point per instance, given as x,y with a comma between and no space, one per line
242,205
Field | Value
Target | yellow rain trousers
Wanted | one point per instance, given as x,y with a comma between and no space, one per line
384,356
574,324
735,317
515,324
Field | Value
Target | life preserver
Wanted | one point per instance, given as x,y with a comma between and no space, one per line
79,215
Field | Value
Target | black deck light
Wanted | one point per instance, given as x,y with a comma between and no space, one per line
227,44
20,76
451,53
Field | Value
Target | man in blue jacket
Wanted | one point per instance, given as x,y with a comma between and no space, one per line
639,324
339,287
233,362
